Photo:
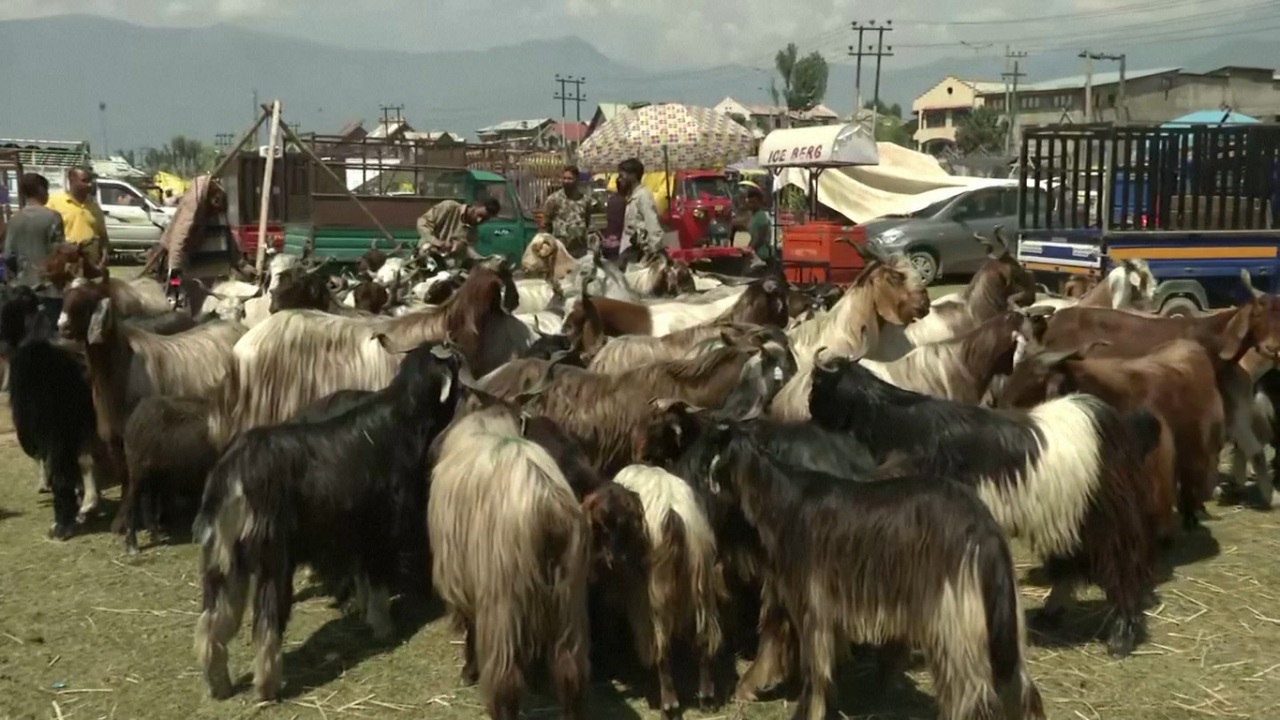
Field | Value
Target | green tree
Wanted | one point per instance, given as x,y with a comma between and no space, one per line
804,79
980,131
181,156
894,110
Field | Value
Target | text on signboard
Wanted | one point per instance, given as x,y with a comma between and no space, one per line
805,152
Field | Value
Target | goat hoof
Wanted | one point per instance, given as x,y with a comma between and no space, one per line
706,702
469,677
1124,636
61,531
671,713
131,548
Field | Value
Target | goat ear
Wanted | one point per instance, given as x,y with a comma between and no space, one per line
98,322
446,388
1236,333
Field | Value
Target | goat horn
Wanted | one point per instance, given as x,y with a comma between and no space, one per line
1248,282
538,328
373,244
545,381
817,360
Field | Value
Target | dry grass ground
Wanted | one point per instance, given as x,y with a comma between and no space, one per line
87,632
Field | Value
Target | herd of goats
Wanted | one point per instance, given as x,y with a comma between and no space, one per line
721,467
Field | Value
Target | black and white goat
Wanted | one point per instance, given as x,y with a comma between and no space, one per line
916,560
1067,476
342,495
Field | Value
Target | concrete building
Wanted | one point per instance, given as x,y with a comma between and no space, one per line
1151,96
940,109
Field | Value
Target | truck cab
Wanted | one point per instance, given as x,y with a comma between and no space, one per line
1196,203
510,232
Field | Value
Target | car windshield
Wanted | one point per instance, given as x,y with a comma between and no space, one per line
715,186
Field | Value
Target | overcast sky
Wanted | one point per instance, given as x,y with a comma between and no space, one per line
674,34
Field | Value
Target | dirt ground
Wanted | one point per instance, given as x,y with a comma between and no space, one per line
87,632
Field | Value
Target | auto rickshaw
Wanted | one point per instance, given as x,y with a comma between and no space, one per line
695,204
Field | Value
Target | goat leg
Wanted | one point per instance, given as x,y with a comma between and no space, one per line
64,472
470,668
377,612
101,470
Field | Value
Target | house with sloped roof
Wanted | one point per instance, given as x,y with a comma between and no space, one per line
761,119
606,112
943,107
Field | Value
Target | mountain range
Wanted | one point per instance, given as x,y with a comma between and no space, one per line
160,82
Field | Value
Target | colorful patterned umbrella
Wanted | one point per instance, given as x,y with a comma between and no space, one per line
669,136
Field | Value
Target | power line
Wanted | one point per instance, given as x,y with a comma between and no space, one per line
1127,30
1141,7
1010,78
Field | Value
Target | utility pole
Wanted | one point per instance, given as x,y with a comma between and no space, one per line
257,113
1010,78
879,50
1122,111
565,98
386,116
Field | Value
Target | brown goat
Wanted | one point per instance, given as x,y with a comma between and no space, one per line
603,411
1175,382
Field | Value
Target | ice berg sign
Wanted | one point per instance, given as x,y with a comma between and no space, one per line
797,154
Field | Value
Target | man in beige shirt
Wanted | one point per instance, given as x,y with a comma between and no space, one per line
449,227
642,231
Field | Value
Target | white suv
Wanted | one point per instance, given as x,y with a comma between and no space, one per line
134,222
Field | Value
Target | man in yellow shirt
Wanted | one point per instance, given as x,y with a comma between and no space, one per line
82,218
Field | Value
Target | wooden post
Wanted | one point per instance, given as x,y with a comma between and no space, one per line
268,176
306,150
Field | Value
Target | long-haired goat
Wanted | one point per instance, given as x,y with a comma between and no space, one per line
168,456
127,364
1066,476
682,589
913,560
603,411
1228,334
342,495
1175,381
961,368
49,400
510,554
802,445
888,292
1129,286
1000,282
296,357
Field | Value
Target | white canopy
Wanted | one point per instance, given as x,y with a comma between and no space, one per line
826,146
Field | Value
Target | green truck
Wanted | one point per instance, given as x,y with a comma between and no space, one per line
331,211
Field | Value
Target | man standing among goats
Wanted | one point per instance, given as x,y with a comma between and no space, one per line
449,227
567,213
32,234
82,218
641,232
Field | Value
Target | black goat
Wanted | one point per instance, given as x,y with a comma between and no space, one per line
343,495
916,560
1066,476
49,400
169,455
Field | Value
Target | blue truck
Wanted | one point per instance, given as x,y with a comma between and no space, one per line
1196,203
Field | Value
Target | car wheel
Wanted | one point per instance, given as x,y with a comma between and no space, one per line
1180,306
925,264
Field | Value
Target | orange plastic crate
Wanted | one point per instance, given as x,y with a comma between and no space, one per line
820,252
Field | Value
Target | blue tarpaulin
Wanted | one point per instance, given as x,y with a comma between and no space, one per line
1211,117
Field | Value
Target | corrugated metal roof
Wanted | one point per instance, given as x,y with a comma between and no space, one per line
1099,78
515,125
983,87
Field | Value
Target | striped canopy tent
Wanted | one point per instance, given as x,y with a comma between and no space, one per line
670,137
1212,117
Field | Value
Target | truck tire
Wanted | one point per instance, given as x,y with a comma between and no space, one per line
1180,306
925,264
